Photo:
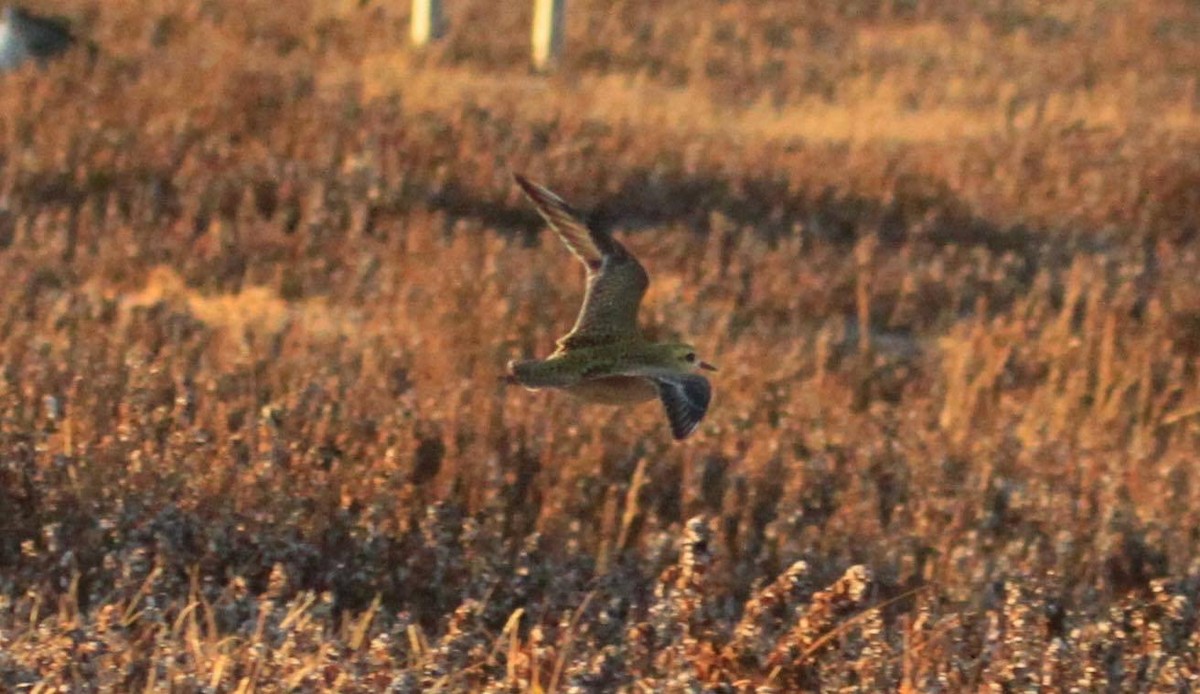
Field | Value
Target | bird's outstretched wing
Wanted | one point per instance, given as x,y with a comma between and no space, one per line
24,35
685,398
616,281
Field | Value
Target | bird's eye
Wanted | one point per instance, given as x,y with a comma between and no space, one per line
691,357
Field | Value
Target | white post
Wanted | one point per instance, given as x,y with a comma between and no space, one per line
548,28
427,21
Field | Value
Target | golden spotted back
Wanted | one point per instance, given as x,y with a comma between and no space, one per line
616,281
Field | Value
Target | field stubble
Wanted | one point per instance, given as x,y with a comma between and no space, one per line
253,318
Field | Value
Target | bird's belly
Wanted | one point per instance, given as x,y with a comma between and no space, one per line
615,390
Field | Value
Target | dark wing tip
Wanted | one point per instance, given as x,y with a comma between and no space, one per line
686,402
539,194
682,430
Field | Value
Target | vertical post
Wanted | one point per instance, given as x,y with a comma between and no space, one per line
427,21
548,29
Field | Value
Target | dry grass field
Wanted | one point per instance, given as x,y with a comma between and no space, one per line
261,265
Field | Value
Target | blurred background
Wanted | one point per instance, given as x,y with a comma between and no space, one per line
261,265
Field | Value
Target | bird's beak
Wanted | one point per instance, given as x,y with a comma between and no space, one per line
707,367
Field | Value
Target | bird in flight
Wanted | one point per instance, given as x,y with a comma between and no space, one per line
605,358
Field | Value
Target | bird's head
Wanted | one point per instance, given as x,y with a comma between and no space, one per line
683,358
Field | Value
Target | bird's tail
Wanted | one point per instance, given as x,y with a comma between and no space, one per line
535,373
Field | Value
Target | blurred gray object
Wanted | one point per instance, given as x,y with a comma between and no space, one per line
24,35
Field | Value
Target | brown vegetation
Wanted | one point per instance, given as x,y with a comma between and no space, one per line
261,267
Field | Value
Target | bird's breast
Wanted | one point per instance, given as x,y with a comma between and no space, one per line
614,390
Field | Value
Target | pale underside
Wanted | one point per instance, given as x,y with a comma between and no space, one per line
615,390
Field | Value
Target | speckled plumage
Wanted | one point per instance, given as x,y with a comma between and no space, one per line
605,358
